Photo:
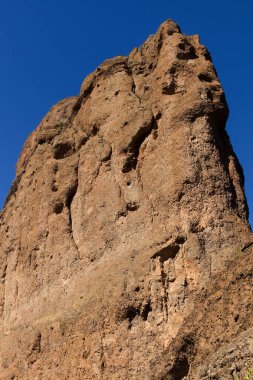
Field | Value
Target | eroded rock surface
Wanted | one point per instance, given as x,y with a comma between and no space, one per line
126,251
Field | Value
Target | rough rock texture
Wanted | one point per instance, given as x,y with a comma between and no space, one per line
126,251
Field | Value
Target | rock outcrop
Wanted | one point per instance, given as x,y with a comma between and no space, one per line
126,251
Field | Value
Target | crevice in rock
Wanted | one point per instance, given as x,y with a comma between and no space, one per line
158,260
246,246
3,271
36,347
70,196
81,98
102,353
133,150
69,199
159,44
146,310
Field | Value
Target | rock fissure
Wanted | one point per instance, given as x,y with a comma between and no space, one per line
69,200
134,148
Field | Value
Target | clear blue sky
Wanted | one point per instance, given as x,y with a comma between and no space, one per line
49,46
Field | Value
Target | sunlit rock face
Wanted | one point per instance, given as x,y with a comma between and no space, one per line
125,248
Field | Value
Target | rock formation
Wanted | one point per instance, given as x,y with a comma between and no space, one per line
126,251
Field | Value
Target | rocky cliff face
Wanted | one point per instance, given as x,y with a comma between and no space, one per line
125,247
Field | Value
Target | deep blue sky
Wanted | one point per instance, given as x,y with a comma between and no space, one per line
49,46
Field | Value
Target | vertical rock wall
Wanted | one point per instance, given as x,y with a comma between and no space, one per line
128,202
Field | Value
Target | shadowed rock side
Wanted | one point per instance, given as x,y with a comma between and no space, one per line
123,236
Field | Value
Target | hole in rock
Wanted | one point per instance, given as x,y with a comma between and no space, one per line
55,168
172,70
158,116
62,150
186,51
181,45
180,240
54,188
94,130
167,253
83,140
209,94
131,313
132,206
155,135
169,88
180,369
205,77
58,207
41,141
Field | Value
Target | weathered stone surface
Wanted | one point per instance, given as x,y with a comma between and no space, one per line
126,251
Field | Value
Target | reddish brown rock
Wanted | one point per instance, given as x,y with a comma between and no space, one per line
126,251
